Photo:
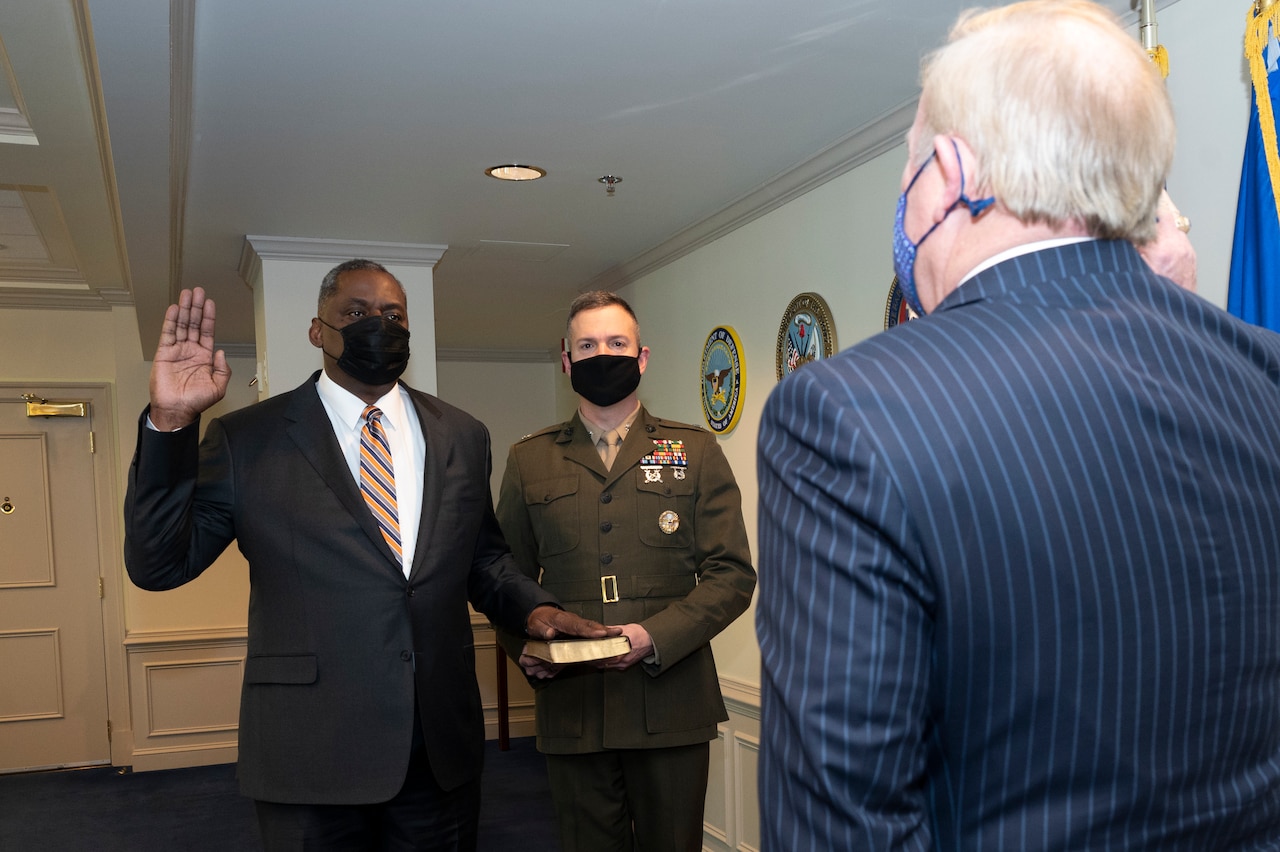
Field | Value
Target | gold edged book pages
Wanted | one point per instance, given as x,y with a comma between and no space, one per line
577,650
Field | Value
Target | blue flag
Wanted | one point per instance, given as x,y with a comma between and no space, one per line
1253,292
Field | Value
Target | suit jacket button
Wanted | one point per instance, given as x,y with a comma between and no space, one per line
406,655
606,497
410,591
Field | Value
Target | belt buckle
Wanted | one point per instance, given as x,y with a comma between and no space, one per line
605,594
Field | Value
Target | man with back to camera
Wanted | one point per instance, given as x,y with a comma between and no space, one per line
652,540
363,509
1019,574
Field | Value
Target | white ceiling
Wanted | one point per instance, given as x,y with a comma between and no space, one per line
142,140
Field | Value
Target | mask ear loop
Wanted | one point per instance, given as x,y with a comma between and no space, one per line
975,207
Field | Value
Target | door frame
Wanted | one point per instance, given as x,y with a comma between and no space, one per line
108,502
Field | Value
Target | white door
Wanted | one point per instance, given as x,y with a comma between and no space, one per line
53,682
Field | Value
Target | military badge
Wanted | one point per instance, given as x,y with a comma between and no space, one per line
722,379
806,334
896,309
668,522
668,452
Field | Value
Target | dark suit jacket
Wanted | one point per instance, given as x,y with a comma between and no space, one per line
339,640
1020,573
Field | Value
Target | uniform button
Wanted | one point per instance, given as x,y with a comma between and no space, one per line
606,497
406,655
409,591
606,526
651,428
606,558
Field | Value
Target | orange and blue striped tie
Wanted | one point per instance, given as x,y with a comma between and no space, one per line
378,479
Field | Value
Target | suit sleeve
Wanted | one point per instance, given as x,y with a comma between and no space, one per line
845,630
726,578
497,587
178,506
517,528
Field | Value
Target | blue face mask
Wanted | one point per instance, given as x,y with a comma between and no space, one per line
904,251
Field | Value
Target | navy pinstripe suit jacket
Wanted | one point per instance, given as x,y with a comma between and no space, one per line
1020,575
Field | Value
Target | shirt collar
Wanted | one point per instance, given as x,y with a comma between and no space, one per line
1025,248
597,431
349,408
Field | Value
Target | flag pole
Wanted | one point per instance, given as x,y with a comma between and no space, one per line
1150,33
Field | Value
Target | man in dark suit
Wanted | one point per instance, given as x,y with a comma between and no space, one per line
360,721
1019,581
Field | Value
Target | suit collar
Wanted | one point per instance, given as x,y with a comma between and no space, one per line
1055,275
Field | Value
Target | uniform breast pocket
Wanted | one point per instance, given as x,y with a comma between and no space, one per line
665,512
553,511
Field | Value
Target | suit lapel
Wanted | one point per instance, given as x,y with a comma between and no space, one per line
312,431
434,463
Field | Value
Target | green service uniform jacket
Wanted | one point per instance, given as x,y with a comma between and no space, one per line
658,541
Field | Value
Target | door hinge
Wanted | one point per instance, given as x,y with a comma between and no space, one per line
91,444
108,730
102,591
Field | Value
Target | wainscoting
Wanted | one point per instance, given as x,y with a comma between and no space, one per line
184,695
732,814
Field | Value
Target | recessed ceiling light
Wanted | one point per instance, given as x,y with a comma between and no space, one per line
515,172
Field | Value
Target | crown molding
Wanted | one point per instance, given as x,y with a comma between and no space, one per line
307,248
55,300
259,248
102,136
859,147
239,350
500,356
182,39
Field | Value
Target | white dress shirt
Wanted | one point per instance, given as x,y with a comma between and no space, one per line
408,449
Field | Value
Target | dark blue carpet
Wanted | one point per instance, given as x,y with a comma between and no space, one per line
201,810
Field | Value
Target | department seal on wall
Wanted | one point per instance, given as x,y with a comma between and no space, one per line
896,309
723,375
806,334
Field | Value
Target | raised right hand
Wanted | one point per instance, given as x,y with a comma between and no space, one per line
187,376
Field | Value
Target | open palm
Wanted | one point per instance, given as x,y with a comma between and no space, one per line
188,375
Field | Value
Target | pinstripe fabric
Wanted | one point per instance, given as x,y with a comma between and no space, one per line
1018,581
377,478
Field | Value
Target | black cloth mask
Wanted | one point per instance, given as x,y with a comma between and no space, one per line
606,379
375,350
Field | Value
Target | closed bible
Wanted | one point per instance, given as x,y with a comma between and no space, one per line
577,650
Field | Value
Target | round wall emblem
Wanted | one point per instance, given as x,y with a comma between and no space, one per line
896,309
723,375
806,334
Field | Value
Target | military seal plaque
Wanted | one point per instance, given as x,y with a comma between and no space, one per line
896,309
723,375
806,334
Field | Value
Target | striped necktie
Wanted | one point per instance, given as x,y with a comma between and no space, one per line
377,478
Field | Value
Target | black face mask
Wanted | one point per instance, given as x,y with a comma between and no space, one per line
375,350
606,379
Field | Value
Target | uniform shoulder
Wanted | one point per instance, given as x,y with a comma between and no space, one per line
664,423
549,430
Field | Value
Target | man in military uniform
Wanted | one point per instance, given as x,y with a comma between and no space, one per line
634,521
